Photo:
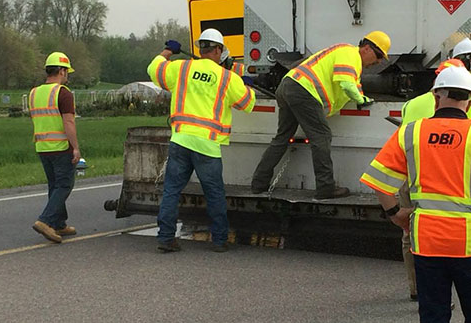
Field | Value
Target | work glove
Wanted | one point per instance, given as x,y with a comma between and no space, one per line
247,80
173,46
366,103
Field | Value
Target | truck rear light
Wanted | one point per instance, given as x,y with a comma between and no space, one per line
255,37
255,54
291,140
252,69
306,141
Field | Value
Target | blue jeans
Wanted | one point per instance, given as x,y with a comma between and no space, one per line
435,277
180,166
60,173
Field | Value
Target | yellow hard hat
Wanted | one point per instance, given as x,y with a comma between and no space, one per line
59,59
381,40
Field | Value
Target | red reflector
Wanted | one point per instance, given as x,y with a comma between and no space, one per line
255,54
255,36
291,140
395,113
306,141
263,108
364,113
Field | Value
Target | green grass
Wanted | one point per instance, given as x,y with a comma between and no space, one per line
101,144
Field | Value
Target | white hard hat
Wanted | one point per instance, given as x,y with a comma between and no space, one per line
224,55
212,35
453,77
463,47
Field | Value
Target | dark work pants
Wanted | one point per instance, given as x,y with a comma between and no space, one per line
181,164
298,107
435,276
60,173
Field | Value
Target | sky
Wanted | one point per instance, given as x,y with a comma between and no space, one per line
136,16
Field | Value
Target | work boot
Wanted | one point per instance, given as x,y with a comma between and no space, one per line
48,232
336,193
171,246
67,231
220,247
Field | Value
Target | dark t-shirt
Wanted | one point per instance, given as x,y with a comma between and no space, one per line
66,105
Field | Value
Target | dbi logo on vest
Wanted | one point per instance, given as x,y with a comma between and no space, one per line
209,78
450,139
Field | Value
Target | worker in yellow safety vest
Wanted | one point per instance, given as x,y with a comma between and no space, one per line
203,93
229,63
52,109
320,86
432,156
420,107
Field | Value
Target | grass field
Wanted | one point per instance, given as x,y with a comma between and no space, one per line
100,139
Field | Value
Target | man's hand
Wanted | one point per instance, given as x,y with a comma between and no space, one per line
401,218
76,156
173,46
367,102
247,80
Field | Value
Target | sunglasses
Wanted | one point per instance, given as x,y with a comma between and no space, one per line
378,53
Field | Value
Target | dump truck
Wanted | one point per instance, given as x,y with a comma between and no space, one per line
270,36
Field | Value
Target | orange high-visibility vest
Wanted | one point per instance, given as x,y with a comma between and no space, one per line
49,132
322,73
203,94
434,155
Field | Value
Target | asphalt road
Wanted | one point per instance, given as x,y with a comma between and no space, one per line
19,208
98,277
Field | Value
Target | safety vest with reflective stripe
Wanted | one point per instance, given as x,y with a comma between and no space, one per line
49,133
322,73
238,68
434,155
420,107
202,94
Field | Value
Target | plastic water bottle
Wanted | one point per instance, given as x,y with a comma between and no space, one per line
81,166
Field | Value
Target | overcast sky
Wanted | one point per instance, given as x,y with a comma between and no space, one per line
136,16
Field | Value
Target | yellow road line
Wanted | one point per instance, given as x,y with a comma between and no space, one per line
91,236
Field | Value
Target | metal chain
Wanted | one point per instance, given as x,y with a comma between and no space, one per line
278,177
160,177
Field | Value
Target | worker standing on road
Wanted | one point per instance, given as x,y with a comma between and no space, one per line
203,94
52,110
462,51
433,156
320,86
420,107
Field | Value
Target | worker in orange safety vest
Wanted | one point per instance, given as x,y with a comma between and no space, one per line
417,108
433,156
203,94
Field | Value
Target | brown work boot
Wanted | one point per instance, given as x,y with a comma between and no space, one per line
171,246
48,232
336,193
67,231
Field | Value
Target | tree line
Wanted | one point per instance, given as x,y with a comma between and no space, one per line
31,29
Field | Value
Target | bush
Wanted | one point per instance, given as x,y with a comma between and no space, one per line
125,105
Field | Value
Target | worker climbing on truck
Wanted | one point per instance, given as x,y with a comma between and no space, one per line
320,86
203,93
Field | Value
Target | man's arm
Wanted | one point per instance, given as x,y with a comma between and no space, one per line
401,218
71,132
